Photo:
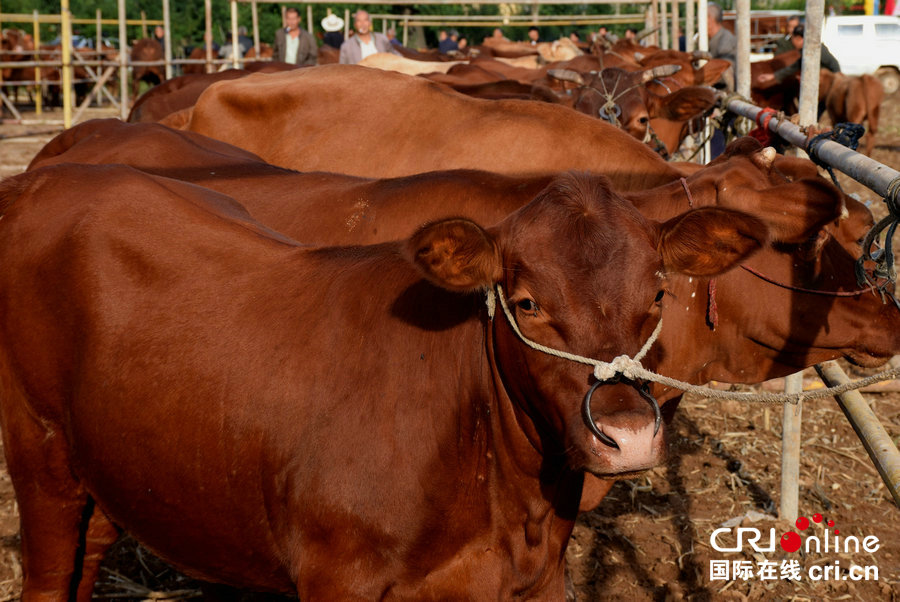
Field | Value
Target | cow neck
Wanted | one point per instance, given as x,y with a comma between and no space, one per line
513,427
547,504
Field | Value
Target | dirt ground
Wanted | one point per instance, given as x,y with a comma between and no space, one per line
651,537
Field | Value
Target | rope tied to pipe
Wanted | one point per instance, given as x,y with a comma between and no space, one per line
846,134
631,368
884,256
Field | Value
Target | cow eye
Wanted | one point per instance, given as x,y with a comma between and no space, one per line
528,306
659,295
644,120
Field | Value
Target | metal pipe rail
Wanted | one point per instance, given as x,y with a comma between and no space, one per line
861,168
874,438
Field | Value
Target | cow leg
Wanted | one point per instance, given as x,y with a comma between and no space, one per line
51,504
100,535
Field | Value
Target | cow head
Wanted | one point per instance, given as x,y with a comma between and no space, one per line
697,69
621,98
769,329
583,272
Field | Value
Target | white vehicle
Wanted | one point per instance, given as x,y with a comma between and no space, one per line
866,44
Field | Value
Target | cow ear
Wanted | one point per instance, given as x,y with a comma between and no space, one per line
685,103
709,241
712,71
456,254
814,203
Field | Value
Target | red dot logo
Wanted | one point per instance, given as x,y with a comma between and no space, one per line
802,523
837,531
817,518
790,542
831,523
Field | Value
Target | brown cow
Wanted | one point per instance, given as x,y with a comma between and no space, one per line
15,46
798,330
342,423
325,208
432,128
622,98
182,92
854,99
146,49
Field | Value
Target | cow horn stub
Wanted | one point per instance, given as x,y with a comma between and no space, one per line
765,158
639,57
567,75
701,54
659,71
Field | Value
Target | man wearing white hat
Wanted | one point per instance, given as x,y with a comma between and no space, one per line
293,44
333,24
365,42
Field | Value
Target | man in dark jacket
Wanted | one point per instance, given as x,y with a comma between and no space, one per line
293,44
827,60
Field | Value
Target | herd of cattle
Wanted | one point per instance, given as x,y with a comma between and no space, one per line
252,328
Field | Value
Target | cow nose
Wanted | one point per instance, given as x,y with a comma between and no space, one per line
644,391
637,447
629,434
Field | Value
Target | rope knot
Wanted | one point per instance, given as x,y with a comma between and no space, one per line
622,364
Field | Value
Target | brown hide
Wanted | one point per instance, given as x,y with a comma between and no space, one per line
854,99
329,423
796,331
337,209
182,92
434,127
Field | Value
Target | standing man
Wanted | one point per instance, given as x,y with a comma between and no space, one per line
534,35
366,42
293,44
722,43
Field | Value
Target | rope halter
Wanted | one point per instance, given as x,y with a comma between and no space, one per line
605,372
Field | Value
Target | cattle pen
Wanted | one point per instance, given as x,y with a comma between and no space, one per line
864,416
655,16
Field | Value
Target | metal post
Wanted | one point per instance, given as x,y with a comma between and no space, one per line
144,24
309,20
663,23
235,49
167,49
702,25
675,25
654,19
99,35
406,29
207,36
123,63
812,52
790,452
874,438
255,16
39,96
703,44
347,25
66,25
742,64
689,11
